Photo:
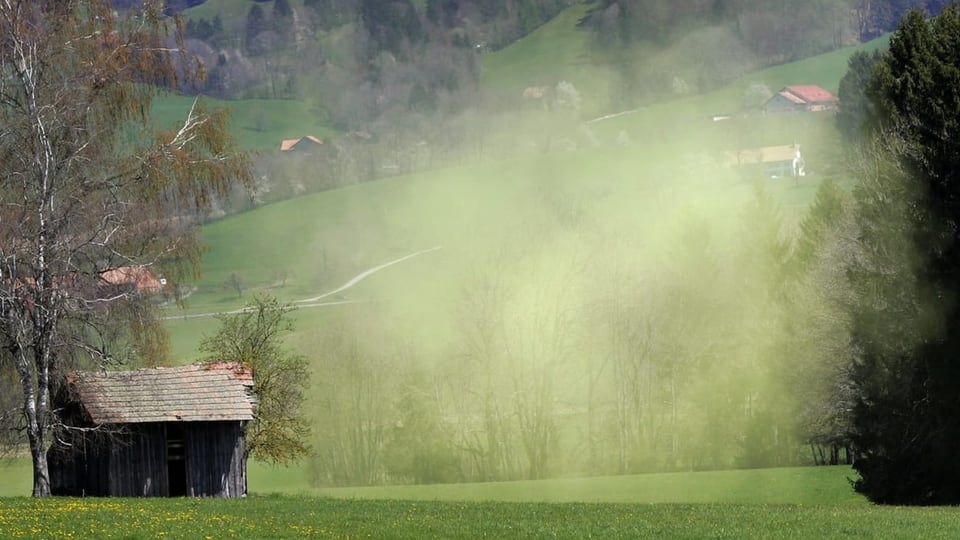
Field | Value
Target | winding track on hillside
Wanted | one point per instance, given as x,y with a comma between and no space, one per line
317,301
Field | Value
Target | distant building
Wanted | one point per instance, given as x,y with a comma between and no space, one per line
137,279
535,92
773,161
303,144
801,98
161,432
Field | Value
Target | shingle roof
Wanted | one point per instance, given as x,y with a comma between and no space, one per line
289,144
809,93
194,393
139,276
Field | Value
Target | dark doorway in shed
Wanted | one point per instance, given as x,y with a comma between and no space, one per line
176,461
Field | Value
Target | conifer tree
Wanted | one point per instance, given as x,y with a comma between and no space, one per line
907,374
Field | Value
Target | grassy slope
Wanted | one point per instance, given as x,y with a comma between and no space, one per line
233,12
824,70
323,239
557,51
257,124
804,485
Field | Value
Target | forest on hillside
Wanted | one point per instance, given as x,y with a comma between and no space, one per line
401,56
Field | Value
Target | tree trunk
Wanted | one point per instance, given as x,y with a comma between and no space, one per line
41,472
36,428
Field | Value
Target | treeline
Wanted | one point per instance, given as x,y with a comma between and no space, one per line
377,65
395,78
713,339
700,342
362,61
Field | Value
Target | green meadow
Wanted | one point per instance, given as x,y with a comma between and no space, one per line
766,503
299,517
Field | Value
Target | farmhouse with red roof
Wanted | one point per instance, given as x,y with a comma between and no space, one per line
803,98
137,279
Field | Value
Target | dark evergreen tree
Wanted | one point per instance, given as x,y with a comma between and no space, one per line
282,9
256,23
443,12
906,418
282,23
855,113
824,213
393,26
328,14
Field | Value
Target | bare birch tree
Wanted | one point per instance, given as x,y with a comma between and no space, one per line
89,184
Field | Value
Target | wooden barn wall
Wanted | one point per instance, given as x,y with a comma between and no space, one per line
131,463
134,463
81,469
138,465
215,464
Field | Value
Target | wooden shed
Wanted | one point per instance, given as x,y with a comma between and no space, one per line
161,432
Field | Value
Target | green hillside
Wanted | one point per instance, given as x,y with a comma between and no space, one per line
824,70
322,238
557,51
256,124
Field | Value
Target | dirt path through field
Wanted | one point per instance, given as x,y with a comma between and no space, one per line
317,301
363,275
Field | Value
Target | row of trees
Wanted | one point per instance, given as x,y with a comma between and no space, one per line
834,337
561,358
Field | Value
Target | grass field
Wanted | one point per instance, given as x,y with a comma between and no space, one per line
557,51
771,503
298,517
